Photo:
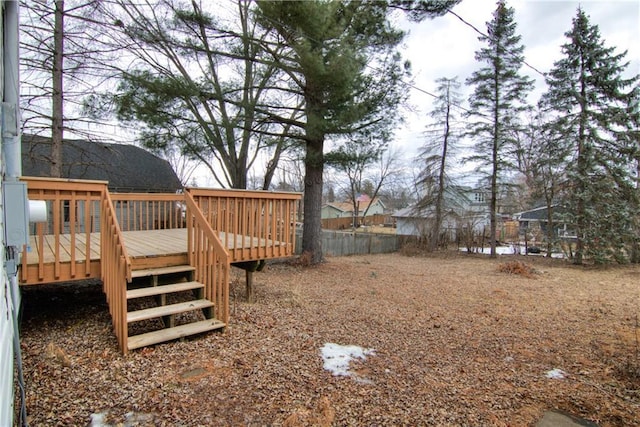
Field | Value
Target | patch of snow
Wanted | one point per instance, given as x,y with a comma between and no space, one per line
510,250
337,357
556,374
500,250
131,419
97,420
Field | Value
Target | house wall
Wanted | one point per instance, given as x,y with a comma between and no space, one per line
6,309
409,226
9,166
467,208
330,212
478,222
419,226
375,209
6,330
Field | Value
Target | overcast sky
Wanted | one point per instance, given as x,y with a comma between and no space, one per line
445,46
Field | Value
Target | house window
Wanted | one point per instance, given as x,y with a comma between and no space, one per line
478,197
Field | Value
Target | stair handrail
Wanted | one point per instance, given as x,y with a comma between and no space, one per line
209,257
116,269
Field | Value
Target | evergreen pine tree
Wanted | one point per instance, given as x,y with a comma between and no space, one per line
499,96
594,105
344,67
330,46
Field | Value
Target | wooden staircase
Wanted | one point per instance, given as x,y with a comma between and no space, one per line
165,289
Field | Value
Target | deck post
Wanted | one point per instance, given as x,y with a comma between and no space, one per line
249,286
250,267
161,300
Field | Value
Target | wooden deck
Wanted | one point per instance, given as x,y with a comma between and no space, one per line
250,225
92,233
147,249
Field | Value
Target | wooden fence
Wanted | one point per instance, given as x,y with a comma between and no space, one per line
347,222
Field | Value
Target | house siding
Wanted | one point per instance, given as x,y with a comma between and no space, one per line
420,226
6,309
329,211
345,210
465,207
374,209
7,325
409,226
6,339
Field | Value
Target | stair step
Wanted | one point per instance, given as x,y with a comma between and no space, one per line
176,332
165,310
163,270
163,289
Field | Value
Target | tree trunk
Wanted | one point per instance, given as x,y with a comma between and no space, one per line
582,171
493,204
315,110
57,95
435,234
312,231
494,218
550,227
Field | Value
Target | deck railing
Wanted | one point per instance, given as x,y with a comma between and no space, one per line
116,270
253,225
73,214
149,211
210,259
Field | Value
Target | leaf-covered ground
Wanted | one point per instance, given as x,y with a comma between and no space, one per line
458,340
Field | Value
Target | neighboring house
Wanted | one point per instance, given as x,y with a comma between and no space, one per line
464,208
127,168
345,209
413,221
336,210
535,222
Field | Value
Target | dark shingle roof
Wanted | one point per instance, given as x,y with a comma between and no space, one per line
539,214
127,168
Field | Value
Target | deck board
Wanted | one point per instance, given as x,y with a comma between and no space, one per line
139,244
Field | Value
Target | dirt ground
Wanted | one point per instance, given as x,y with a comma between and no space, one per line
455,340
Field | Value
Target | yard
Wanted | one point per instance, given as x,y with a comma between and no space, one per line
454,341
